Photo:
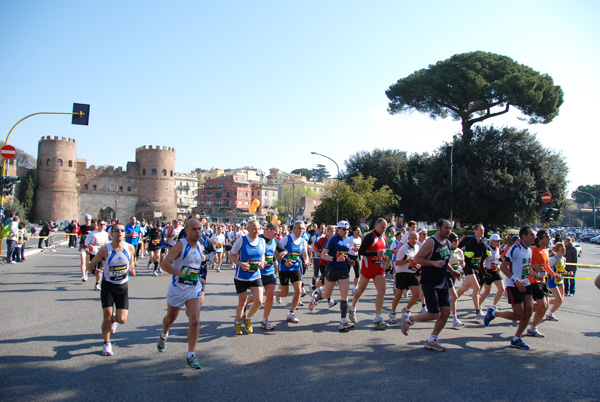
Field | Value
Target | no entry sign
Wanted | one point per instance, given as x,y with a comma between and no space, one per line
546,197
8,152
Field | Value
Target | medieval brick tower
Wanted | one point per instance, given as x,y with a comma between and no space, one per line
56,192
156,186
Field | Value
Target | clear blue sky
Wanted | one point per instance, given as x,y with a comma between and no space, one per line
264,83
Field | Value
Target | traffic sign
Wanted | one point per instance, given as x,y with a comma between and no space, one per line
8,152
546,197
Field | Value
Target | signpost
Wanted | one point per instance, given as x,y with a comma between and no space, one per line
8,152
546,197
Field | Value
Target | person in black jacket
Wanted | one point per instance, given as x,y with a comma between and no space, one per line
572,258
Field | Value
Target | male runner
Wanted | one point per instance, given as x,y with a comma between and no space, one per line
94,242
84,231
491,265
433,258
218,241
475,248
516,266
155,236
406,275
117,260
184,261
373,267
132,236
540,259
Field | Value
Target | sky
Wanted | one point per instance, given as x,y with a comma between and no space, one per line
263,83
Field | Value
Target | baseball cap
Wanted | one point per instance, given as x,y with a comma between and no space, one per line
343,225
452,237
87,217
496,237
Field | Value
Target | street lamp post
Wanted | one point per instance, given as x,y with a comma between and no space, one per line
337,197
451,180
594,209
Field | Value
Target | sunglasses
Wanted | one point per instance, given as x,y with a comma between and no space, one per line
118,230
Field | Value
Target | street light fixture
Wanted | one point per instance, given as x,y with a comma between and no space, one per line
337,199
594,210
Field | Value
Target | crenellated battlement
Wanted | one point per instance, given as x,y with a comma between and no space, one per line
92,170
155,148
55,138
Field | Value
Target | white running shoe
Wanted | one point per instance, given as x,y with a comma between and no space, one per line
113,327
265,324
97,287
456,323
423,310
345,325
392,317
292,318
107,349
479,315
332,303
551,317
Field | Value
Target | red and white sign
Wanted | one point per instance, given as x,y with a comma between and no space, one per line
546,197
8,152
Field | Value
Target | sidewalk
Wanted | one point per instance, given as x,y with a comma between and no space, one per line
31,246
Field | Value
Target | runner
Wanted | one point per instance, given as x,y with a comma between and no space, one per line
183,262
173,233
290,270
117,261
373,267
132,236
537,276
94,242
155,236
515,266
422,232
84,231
555,281
355,242
433,258
315,257
475,249
218,241
335,253
319,274
456,262
248,254
406,275
491,265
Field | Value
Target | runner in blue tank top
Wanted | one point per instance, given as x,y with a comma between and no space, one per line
248,255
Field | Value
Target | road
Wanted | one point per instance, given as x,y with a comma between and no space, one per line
50,348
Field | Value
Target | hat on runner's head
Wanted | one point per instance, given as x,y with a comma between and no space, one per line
237,225
495,237
452,237
515,238
88,217
343,225
422,230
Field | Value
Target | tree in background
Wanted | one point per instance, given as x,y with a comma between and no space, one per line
28,194
472,87
359,199
22,158
289,199
303,172
320,173
581,198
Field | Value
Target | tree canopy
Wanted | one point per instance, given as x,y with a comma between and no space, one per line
472,87
303,172
320,173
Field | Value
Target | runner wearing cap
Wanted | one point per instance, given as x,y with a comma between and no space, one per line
372,249
491,265
337,271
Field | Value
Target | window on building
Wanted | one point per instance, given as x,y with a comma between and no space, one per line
246,194
120,188
59,162
218,194
143,172
229,194
85,186
171,173
154,172
48,162
129,189
94,187
70,163
164,172
246,202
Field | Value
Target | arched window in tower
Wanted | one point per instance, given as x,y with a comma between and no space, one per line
154,172
94,187
143,172
59,162
47,162
85,187
164,172
171,173
70,163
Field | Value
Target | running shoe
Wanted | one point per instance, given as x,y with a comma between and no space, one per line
352,315
380,324
160,270
113,327
535,333
84,278
238,329
551,317
303,292
218,270
489,316
405,323
149,265
345,325
265,324
193,363
248,325
107,349
292,318
97,287
456,323
313,303
392,317
354,290
434,345
300,304
423,310
278,299
332,303
519,344
155,273
161,344
479,315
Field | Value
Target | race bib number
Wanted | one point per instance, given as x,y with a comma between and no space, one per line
191,278
526,268
156,241
253,265
268,260
294,256
118,273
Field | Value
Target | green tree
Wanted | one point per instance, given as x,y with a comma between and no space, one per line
498,178
13,205
358,199
320,173
472,87
28,194
289,199
582,198
303,172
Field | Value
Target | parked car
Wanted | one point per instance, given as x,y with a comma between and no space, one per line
578,248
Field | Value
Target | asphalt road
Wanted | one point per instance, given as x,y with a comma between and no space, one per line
50,347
